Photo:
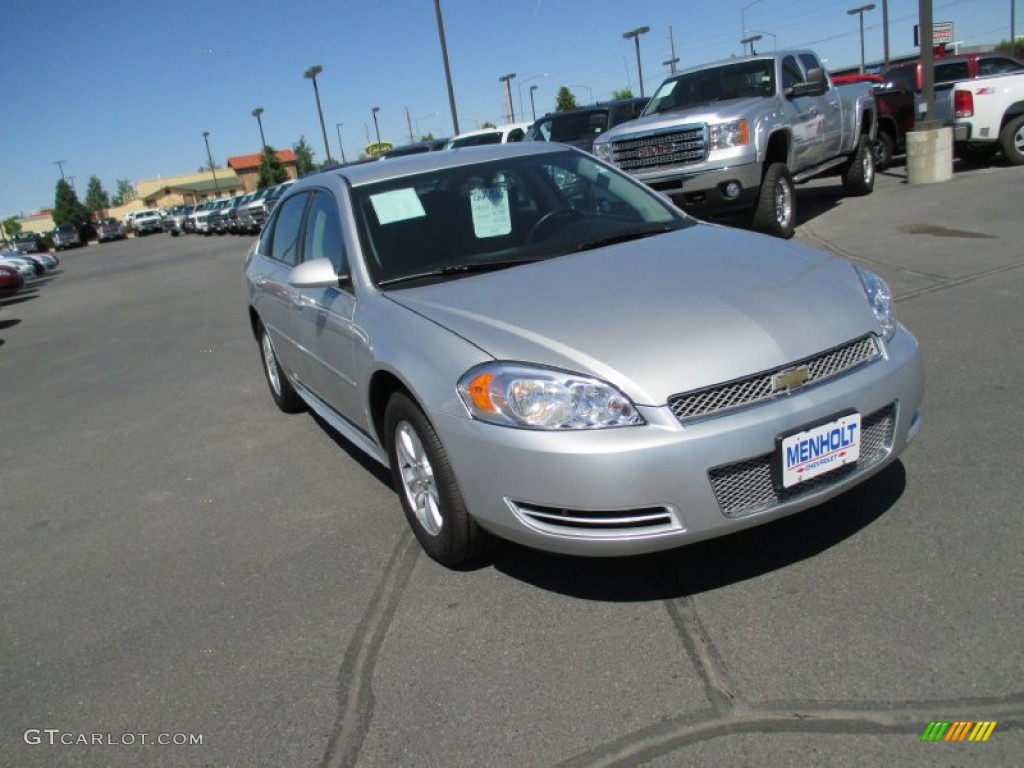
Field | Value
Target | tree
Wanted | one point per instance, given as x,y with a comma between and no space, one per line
565,99
67,209
206,167
488,124
427,137
303,157
1015,48
96,197
271,171
9,227
125,193
625,93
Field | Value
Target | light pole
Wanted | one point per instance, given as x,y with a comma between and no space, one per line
209,157
751,40
635,34
743,18
510,108
775,40
256,113
310,74
60,164
376,128
447,69
340,145
859,11
533,108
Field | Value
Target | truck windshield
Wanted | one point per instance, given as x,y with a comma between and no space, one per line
730,81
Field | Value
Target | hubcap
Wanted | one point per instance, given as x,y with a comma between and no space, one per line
418,479
783,202
1018,140
868,167
270,364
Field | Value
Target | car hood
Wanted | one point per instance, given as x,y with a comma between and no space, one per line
658,316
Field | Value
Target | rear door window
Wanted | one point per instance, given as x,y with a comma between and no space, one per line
284,241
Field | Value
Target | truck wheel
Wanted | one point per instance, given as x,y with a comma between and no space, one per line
1011,140
859,175
776,203
884,148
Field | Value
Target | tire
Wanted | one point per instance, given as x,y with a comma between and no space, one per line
775,213
1011,141
285,396
884,149
426,486
859,174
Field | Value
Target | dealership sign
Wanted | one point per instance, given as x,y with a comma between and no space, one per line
942,33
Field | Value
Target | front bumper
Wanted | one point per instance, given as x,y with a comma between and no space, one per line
640,489
706,189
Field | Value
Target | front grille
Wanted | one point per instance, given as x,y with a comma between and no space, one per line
741,392
746,487
680,147
597,522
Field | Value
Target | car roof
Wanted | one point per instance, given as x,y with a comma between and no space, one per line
425,162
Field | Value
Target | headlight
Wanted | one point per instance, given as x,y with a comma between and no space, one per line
516,395
728,135
880,299
603,150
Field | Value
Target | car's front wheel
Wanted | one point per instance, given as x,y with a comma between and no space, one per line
284,394
425,483
1011,141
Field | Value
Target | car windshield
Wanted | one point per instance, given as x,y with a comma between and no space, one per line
730,81
569,126
474,217
476,140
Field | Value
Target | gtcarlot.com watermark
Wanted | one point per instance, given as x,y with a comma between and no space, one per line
56,736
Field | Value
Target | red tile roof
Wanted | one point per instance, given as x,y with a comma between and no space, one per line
245,162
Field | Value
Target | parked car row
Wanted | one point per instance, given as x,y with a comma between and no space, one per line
238,215
18,269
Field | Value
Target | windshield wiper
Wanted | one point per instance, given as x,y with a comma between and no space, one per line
623,237
456,269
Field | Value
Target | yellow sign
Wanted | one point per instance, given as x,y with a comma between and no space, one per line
378,149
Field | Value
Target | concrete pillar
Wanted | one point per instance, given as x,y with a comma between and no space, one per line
930,156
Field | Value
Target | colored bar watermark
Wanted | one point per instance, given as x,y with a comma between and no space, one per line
958,730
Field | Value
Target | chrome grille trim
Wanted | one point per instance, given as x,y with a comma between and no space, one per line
597,523
678,147
713,400
746,487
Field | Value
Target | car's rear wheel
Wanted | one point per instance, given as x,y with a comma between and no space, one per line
425,483
1011,141
776,204
884,149
859,175
284,394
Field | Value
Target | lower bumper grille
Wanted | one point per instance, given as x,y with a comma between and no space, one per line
746,487
597,523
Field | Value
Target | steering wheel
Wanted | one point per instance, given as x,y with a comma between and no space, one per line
552,220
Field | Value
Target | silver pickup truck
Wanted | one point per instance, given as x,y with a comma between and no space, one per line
742,132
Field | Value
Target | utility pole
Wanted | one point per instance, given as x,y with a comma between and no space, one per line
60,164
447,70
509,106
671,63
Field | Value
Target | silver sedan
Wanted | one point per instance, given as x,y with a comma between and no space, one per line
543,350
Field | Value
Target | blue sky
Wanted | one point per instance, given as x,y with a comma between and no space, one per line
126,89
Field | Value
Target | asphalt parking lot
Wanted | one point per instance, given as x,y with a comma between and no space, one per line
180,559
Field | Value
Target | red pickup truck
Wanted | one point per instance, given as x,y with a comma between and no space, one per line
897,98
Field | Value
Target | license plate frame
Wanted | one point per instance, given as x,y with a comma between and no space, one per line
816,449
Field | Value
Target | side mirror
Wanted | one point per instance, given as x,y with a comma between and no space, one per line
815,85
318,273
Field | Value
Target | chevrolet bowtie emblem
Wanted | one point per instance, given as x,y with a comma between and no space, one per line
791,378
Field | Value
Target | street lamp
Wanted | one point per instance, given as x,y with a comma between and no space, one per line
376,128
60,164
635,34
510,107
533,108
209,157
340,145
256,113
310,74
743,18
751,40
775,40
447,69
859,11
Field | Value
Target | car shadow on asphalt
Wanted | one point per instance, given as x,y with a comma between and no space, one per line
5,324
24,296
711,564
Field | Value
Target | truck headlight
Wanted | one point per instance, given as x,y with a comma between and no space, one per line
529,397
728,135
603,150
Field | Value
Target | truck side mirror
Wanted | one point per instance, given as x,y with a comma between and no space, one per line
815,85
